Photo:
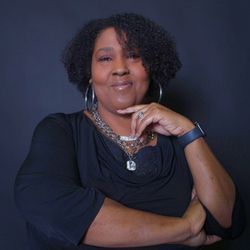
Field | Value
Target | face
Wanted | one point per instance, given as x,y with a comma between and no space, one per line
119,78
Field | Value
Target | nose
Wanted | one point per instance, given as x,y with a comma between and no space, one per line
120,67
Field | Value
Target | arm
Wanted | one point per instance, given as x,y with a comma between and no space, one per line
118,226
50,196
48,189
213,185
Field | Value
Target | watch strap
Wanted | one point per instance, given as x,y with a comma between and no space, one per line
191,136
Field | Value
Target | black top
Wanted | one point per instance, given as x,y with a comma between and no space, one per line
70,169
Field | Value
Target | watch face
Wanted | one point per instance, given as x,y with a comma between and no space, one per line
199,127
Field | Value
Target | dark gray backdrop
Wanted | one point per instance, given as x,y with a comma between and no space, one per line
213,86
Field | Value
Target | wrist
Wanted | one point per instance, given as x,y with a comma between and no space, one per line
188,225
175,230
185,232
186,127
193,134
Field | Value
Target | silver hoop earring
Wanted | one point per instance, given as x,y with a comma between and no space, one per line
160,92
89,104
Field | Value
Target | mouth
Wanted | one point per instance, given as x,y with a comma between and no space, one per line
121,85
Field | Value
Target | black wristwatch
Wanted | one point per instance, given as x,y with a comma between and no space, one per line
192,135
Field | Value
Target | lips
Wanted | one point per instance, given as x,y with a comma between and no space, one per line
122,85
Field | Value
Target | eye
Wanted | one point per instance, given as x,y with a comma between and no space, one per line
133,55
104,59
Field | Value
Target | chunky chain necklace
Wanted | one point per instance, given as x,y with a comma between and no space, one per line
130,145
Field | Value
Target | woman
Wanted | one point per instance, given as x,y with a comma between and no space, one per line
126,172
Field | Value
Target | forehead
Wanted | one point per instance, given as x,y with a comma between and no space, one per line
109,38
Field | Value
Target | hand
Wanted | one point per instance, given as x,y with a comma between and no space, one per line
201,239
195,215
158,118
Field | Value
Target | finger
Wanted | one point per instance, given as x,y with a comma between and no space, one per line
130,110
151,118
142,124
136,118
211,239
194,195
159,129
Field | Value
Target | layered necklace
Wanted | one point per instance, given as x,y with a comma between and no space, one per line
129,144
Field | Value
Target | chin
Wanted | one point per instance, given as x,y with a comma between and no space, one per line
124,105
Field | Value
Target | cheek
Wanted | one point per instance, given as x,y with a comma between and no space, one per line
95,72
143,90
143,79
143,86
141,72
99,76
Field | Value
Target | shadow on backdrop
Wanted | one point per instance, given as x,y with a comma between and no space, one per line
212,87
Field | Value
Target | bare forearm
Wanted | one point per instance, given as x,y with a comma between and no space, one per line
214,186
118,226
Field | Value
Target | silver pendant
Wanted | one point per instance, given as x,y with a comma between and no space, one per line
128,138
131,165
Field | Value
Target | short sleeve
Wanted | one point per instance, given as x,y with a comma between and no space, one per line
48,190
212,227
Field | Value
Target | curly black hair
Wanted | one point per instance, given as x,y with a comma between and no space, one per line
156,47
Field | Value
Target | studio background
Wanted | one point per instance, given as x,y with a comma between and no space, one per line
213,41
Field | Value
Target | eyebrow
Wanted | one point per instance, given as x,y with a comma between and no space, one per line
105,49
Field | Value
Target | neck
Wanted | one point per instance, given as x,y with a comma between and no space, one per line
120,124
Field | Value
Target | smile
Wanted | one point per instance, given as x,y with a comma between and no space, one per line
121,85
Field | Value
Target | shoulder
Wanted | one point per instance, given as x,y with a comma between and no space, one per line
60,119
56,127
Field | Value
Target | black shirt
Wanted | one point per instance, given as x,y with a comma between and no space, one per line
72,167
